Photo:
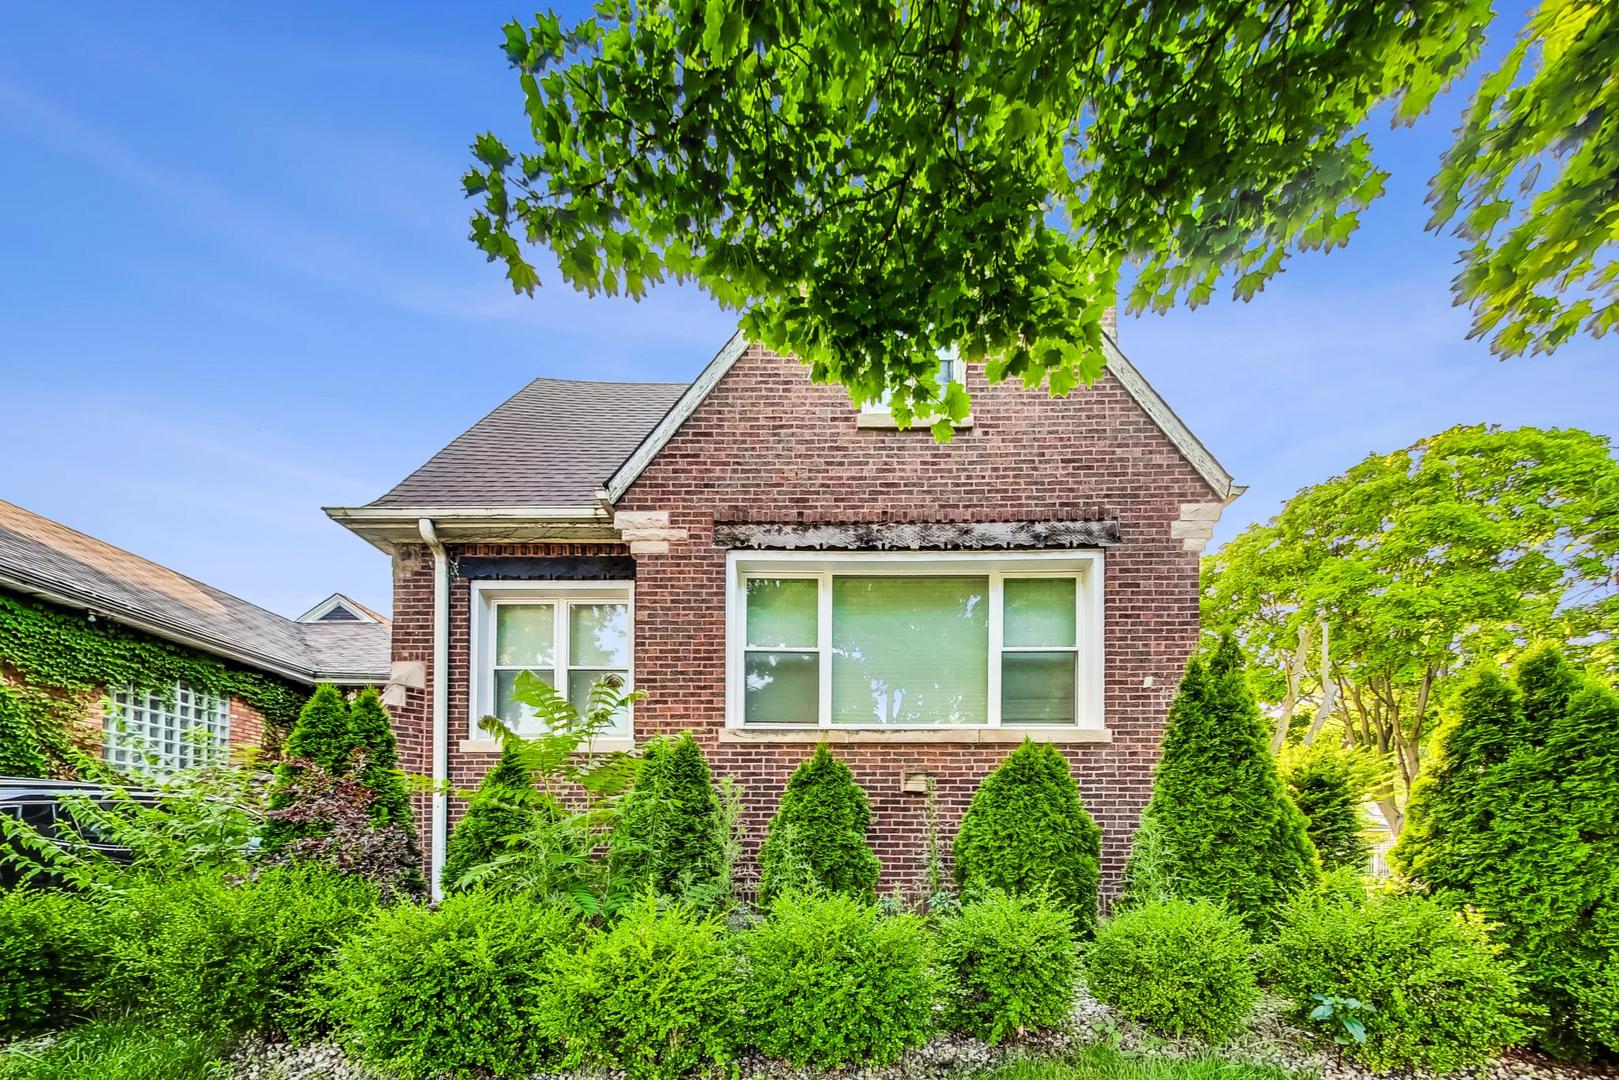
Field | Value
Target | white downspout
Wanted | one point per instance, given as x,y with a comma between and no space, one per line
439,826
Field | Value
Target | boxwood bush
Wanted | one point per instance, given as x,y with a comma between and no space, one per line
210,953
418,992
655,995
832,980
52,953
1181,967
1011,966
1441,997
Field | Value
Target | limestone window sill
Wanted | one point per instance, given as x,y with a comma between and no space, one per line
969,736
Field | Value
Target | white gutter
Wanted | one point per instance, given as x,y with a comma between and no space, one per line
439,821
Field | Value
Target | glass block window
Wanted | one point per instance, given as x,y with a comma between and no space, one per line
571,639
841,643
158,732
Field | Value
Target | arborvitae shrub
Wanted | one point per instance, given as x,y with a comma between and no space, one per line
322,733
1441,997
817,838
500,813
654,995
669,834
1026,832
1514,816
832,980
1323,782
1227,829
1180,967
19,748
53,948
373,735
213,954
450,992
1011,964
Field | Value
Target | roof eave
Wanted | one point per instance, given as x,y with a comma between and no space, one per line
387,526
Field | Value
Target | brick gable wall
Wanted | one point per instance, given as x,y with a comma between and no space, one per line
767,445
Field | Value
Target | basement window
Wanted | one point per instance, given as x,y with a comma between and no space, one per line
915,640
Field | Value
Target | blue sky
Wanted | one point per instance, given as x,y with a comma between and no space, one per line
235,287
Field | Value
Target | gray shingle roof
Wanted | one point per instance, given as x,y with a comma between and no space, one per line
42,557
553,443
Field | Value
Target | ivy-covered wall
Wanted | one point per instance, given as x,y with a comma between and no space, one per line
59,659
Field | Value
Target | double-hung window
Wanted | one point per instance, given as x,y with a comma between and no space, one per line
162,730
915,640
569,634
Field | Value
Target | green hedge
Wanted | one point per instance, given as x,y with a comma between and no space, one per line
53,949
212,954
418,992
1441,996
656,995
832,980
1011,966
1181,967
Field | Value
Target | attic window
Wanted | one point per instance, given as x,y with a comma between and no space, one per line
951,369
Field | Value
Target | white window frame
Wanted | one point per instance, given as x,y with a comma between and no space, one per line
880,406
1084,566
210,711
487,596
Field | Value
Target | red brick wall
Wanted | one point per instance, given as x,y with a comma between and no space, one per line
246,726
768,445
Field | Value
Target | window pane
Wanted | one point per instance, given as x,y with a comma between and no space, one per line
580,684
525,634
512,714
599,635
781,613
781,688
1039,611
1037,688
910,650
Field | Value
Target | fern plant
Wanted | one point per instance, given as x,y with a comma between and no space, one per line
560,858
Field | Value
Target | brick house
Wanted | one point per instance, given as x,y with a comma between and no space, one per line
774,568
56,582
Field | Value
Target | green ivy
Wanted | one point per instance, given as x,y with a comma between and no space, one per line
63,651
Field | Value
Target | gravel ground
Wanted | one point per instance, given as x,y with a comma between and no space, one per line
1270,1040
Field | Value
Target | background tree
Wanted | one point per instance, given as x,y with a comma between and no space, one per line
670,835
504,809
1026,832
1414,565
1514,815
817,838
1223,826
1328,784
870,185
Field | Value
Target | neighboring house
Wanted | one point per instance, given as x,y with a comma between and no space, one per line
774,568
67,598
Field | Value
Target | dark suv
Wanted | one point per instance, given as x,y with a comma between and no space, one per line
39,803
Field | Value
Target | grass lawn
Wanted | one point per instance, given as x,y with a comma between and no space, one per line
1106,1063
117,1050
